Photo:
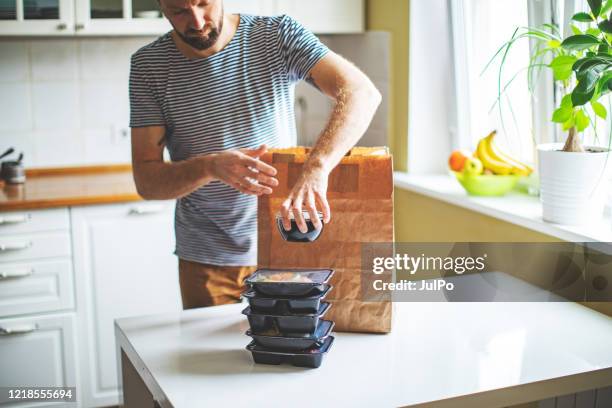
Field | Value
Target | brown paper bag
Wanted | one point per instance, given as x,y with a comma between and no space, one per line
360,196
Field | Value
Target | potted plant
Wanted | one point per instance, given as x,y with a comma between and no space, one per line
571,174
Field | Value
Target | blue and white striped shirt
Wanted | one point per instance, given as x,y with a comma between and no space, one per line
240,97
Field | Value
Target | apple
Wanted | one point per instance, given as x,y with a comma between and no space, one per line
458,158
473,166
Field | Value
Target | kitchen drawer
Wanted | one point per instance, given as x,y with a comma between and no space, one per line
34,287
38,351
19,222
26,247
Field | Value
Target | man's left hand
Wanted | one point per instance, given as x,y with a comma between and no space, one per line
308,194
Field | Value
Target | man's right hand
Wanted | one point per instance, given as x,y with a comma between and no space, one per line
243,170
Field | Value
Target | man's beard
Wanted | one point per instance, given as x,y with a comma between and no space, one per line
202,42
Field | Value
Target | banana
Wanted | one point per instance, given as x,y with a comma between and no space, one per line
497,154
491,163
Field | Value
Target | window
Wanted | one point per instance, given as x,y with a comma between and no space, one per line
522,117
481,27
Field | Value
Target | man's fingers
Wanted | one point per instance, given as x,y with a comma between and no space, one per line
256,153
259,166
285,210
296,209
250,186
312,210
324,205
262,178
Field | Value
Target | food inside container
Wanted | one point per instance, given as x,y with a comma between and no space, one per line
294,234
274,339
294,325
311,358
263,303
290,282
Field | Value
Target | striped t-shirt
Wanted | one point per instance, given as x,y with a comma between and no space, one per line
239,97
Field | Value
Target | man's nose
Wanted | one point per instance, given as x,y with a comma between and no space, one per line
197,18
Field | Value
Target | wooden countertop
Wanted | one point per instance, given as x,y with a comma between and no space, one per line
61,187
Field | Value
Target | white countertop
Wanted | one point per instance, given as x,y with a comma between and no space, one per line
438,355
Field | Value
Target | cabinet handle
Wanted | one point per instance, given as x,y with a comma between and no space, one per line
23,329
79,26
14,219
18,246
62,26
18,273
148,209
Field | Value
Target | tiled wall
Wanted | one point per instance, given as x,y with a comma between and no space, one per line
65,101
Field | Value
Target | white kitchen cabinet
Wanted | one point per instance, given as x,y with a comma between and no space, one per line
38,351
255,7
326,16
35,287
124,266
138,17
20,222
36,17
119,17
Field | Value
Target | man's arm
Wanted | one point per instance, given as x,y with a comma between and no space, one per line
158,180
356,100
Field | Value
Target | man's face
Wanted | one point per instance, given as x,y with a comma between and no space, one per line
197,22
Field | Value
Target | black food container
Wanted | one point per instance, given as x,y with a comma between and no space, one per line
276,341
294,234
290,282
311,358
283,305
285,324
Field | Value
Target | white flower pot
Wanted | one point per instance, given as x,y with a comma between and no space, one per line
572,185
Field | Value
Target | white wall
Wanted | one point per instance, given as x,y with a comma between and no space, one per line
65,101
430,85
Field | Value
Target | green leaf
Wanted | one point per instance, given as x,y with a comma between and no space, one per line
579,42
581,97
593,31
582,120
554,43
599,109
562,115
605,26
606,8
595,6
588,79
604,83
566,102
570,123
562,66
603,50
576,30
582,17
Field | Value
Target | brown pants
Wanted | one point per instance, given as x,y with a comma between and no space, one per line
210,285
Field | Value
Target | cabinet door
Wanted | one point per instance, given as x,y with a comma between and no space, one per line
326,16
254,7
120,17
38,351
124,266
36,17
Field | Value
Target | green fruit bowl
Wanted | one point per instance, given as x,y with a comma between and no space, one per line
486,184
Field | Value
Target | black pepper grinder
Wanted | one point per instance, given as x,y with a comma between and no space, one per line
12,171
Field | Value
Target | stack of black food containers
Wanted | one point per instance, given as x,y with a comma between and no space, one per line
285,312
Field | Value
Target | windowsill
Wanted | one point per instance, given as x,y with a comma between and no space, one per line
516,208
